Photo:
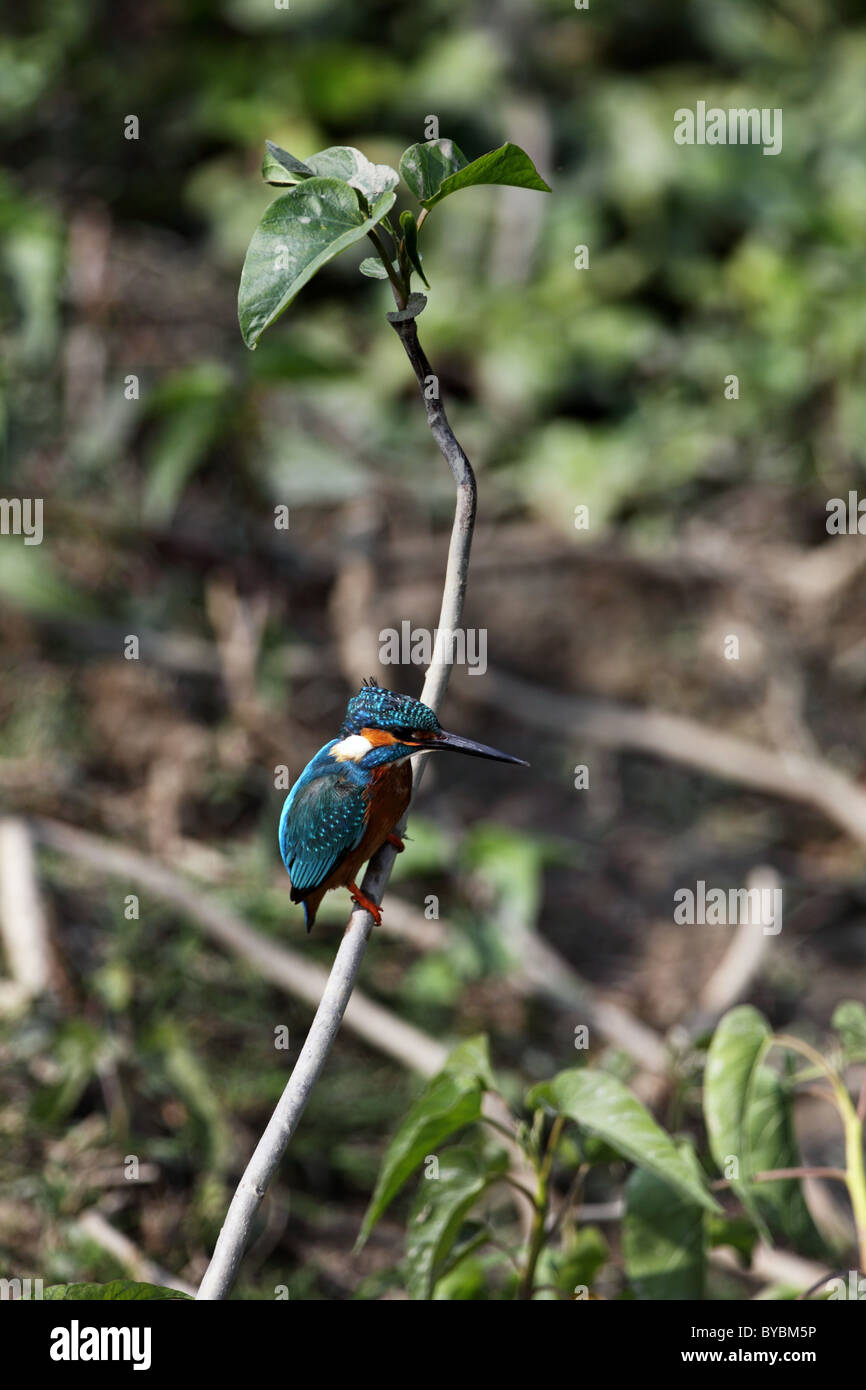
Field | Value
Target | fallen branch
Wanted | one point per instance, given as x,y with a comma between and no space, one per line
794,776
23,928
287,969
541,969
730,981
94,1226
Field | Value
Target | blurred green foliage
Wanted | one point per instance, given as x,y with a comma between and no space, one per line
602,386
606,383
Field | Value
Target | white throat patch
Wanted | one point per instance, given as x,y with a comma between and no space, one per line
351,749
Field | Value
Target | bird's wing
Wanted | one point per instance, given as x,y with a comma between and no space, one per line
323,819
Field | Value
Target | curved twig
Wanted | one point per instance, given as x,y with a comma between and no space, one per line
220,1273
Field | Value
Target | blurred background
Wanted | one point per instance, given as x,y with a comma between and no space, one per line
137,1045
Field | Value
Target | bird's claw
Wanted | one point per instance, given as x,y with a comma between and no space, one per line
366,903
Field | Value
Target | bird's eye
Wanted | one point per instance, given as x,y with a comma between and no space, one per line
418,734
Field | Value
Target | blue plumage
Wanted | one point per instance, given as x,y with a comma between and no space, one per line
354,794
322,820
375,707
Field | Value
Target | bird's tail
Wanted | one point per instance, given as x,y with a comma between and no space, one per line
311,907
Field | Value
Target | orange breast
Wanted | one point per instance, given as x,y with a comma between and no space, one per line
390,790
389,794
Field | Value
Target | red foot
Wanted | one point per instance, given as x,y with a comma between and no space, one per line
362,900
396,842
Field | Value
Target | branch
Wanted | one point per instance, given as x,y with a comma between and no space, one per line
730,981
777,1174
288,970
233,1237
23,926
541,969
94,1226
809,780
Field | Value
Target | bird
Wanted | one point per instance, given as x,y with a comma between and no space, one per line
352,795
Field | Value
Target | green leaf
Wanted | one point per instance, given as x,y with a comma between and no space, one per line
118,1290
351,166
451,1101
664,1240
78,1053
849,1021
300,232
594,1151
439,1210
748,1112
605,1106
771,1142
194,403
278,166
576,1266
510,866
425,167
470,1060
29,580
341,162
372,266
736,1231
466,1281
507,165
410,237
473,1235
739,1043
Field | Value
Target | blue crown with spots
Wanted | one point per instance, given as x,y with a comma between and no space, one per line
376,708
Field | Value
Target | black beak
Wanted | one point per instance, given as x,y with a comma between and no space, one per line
456,744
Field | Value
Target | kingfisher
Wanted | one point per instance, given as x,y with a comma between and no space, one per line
350,799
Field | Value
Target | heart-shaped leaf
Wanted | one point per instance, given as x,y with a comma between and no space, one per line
346,163
771,1143
608,1108
470,1059
431,180
734,1057
424,167
450,1101
342,162
664,1236
300,232
439,1210
373,267
448,1104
